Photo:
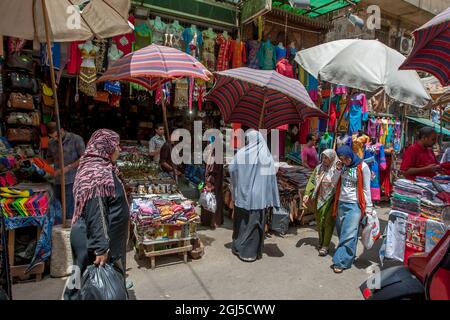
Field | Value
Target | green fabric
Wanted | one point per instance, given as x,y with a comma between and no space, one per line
406,198
325,223
311,185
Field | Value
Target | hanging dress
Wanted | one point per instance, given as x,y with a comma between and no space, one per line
238,54
267,56
125,42
208,56
88,71
377,164
223,59
357,113
174,36
159,31
252,54
143,36
193,41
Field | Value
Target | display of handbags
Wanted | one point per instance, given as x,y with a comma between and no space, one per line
19,100
20,134
47,95
31,119
20,81
20,61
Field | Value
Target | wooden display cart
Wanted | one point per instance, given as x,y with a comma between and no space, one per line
18,271
145,248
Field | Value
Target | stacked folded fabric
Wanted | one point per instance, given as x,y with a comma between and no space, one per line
295,175
407,204
23,203
432,209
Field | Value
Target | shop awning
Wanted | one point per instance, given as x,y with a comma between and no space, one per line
211,12
317,7
430,123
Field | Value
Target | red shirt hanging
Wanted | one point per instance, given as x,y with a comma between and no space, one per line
223,59
285,68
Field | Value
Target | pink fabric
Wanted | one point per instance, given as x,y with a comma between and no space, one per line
340,90
285,68
314,94
283,127
310,153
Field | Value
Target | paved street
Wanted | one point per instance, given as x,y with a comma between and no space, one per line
290,269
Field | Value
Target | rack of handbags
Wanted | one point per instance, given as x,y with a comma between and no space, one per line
23,203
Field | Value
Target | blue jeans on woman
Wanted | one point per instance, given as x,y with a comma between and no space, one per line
347,227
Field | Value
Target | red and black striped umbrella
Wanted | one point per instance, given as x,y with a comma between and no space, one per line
261,99
431,51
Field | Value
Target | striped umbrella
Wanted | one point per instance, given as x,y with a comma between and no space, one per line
431,51
261,99
154,65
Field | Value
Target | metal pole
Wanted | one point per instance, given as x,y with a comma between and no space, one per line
58,122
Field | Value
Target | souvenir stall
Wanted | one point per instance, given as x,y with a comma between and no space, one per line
415,222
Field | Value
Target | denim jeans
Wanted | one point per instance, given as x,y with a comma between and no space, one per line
70,202
347,227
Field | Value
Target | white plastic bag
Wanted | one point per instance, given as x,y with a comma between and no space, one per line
208,201
371,231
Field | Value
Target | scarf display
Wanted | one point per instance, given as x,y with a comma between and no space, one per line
95,173
326,178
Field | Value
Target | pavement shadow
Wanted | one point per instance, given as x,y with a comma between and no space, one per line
161,261
207,241
272,250
314,242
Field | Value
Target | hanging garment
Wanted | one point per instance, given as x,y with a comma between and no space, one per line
384,131
143,36
340,90
252,53
175,34
357,112
125,42
281,53
267,56
304,130
114,54
359,143
345,140
238,54
313,88
193,41
285,68
372,128
325,143
334,113
323,122
101,57
56,53
223,59
159,30
390,135
74,58
88,71
208,56
181,93
415,236
377,164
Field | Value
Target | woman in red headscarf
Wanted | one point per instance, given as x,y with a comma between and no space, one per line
100,221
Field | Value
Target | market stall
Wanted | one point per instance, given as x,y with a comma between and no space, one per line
415,222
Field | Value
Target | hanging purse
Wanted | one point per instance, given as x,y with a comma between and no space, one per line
20,61
23,81
19,118
19,100
102,96
47,96
19,134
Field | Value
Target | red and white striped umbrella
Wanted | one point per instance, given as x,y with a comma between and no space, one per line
154,65
261,99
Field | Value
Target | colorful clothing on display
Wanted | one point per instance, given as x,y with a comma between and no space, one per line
280,52
208,56
252,54
285,68
143,36
125,42
415,236
56,53
373,128
313,87
223,59
267,56
334,113
359,143
357,112
159,30
377,163
435,231
175,32
238,54
74,62
385,177
193,41
88,71
303,132
325,143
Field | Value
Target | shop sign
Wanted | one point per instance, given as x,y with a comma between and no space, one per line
254,8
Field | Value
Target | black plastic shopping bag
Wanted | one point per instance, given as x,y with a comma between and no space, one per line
103,283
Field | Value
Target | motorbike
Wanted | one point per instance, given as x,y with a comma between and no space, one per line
426,276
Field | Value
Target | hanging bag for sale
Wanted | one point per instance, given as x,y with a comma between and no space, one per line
47,96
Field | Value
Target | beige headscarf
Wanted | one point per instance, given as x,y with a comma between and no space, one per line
326,178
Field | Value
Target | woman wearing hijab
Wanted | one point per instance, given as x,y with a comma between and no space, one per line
100,222
352,202
254,190
213,183
320,192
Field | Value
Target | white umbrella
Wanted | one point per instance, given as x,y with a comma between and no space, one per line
367,65
56,20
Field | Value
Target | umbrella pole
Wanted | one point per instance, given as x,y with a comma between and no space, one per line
166,126
58,122
261,117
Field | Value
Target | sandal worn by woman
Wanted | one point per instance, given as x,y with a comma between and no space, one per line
323,252
337,269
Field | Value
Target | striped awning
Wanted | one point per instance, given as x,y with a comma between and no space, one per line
431,51
240,94
153,65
